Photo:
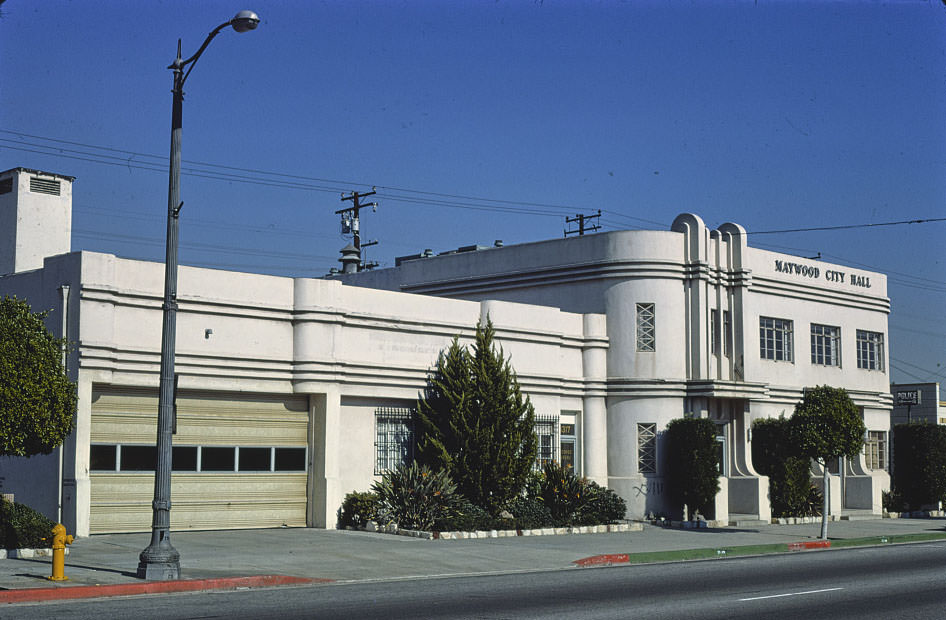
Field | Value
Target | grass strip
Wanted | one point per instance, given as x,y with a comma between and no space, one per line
742,550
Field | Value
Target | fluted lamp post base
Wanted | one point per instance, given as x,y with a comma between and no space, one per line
159,562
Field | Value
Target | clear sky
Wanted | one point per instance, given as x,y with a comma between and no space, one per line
495,119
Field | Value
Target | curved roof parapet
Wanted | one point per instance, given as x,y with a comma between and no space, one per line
734,236
695,236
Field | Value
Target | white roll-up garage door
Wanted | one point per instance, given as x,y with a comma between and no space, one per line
239,461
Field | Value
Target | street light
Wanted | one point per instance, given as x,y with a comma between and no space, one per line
160,560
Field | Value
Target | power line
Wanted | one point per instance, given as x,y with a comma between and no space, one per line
846,226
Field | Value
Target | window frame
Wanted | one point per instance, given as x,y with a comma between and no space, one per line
545,454
647,448
776,339
825,345
646,327
395,438
870,350
877,451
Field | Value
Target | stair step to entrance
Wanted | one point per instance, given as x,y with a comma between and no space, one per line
740,520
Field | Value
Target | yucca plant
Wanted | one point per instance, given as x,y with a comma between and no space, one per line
415,497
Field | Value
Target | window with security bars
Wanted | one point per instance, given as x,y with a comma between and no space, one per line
546,431
775,339
875,449
646,328
870,350
394,438
825,345
647,447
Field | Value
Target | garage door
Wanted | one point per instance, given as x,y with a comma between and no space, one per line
239,461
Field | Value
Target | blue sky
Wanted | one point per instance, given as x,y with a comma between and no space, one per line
493,120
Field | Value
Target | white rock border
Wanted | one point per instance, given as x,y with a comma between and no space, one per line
546,531
14,554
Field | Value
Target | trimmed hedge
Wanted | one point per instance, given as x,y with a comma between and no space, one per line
21,527
919,468
773,455
357,509
692,471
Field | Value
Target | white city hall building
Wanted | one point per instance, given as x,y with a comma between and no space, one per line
294,391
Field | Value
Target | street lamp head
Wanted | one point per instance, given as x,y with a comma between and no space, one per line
245,21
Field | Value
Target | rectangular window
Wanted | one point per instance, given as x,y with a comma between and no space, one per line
545,427
290,459
727,334
714,331
138,458
254,459
217,459
394,438
775,339
647,448
875,449
646,328
102,458
184,458
870,350
825,345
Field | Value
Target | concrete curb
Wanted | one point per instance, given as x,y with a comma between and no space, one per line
32,595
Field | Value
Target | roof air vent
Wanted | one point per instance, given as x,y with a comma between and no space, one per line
44,186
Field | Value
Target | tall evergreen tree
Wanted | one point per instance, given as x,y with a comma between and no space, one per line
475,422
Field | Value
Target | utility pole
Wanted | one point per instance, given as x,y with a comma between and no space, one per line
351,223
581,218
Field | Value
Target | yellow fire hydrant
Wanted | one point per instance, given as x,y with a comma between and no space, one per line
60,540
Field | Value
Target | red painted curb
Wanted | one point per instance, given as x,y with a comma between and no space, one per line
151,587
814,544
603,560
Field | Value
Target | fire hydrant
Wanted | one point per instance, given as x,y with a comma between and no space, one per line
60,540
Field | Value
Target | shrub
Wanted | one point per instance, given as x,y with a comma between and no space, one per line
530,513
892,501
814,502
415,497
357,509
21,527
466,516
692,473
563,493
604,506
919,472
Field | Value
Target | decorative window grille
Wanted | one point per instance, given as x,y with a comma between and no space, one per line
546,431
646,327
875,449
647,447
394,438
825,345
870,350
44,186
775,339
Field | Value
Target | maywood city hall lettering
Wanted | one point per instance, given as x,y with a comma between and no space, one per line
814,272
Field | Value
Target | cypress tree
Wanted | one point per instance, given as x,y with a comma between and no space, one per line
475,422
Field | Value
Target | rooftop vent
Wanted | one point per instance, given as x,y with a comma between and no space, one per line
44,186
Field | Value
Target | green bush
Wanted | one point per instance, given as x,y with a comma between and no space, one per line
415,497
813,503
530,513
892,501
21,527
919,472
357,509
692,470
604,506
465,516
774,455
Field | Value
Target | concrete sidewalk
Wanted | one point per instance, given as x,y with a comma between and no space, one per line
218,557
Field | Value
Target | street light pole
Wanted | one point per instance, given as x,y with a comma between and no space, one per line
160,560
